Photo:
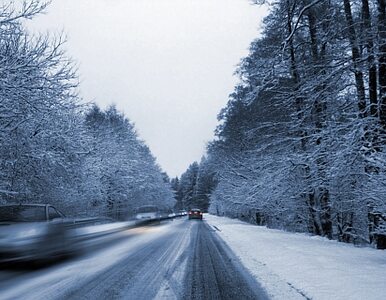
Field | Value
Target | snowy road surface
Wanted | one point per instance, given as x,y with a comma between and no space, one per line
181,259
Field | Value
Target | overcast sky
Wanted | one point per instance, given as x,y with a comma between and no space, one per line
167,64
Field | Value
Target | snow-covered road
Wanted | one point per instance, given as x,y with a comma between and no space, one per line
214,259
180,259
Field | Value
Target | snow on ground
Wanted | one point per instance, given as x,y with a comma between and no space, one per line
299,266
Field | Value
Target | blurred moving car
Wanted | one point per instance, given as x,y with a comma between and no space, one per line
30,232
195,213
148,213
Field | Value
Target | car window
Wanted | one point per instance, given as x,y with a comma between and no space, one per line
53,213
22,213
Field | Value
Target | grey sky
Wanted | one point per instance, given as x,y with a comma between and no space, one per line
167,64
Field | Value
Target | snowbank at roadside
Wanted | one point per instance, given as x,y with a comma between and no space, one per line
299,266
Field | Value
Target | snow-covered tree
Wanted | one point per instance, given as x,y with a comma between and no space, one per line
53,149
300,144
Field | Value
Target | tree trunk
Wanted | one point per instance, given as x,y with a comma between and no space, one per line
356,57
319,116
368,33
299,101
382,61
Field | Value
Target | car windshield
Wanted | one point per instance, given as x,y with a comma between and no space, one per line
22,213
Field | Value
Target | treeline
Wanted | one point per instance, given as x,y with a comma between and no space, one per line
53,149
301,142
194,187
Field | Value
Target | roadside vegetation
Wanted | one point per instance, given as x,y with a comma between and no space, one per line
56,149
300,145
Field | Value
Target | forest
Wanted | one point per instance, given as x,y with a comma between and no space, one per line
54,146
301,144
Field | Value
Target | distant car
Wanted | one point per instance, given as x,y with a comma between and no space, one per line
171,214
182,213
30,232
195,213
148,213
